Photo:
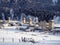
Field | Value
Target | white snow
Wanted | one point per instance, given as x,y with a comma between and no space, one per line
16,36
57,25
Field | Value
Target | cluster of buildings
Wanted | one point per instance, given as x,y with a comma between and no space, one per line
29,19
29,23
33,23
11,6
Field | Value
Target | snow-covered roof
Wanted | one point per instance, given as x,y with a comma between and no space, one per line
57,25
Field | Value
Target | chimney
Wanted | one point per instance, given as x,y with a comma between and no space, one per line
51,24
30,21
24,20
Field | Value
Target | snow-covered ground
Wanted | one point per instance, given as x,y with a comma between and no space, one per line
17,37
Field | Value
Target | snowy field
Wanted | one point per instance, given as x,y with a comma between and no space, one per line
17,37
26,43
